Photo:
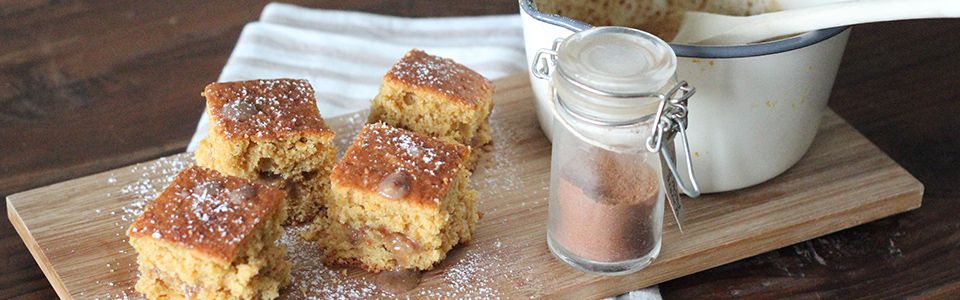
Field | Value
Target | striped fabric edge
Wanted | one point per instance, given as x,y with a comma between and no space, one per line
345,67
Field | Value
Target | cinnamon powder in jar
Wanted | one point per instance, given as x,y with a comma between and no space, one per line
606,206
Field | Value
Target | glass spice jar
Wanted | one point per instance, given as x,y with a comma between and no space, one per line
617,106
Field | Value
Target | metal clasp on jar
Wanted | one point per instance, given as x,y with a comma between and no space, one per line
671,119
541,65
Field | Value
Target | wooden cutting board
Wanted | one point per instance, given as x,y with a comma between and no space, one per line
74,229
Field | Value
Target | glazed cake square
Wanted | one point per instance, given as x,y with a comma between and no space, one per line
401,200
211,236
271,130
436,96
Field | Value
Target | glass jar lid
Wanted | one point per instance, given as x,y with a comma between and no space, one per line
617,60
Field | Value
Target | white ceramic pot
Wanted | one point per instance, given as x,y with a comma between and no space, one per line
757,107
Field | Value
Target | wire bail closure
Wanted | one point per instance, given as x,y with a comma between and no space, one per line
671,116
541,65
671,120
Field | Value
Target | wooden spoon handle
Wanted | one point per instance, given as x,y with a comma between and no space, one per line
728,30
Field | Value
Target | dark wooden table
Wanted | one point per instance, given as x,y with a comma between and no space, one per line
91,86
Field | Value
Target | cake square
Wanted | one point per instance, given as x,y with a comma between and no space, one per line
211,236
271,130
400,200
436,96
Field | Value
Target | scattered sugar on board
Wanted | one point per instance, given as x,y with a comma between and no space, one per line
149,179
149,185
499,173
471,277
312,280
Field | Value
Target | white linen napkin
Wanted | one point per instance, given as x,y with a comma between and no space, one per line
345,54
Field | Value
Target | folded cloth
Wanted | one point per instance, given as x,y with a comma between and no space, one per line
345,54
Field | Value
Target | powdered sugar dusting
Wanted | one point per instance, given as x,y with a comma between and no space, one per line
429,71
260,108
196,211
153,177
499,173
380,151
239,110
313,280
470,276
442,75
413,149
150,179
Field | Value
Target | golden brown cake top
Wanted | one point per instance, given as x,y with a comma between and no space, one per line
421,71
399,164
264,108
208,212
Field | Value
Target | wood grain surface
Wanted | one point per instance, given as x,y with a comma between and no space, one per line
91,86
75,228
